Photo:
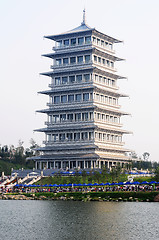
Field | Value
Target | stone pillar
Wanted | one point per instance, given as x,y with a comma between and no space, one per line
47,165
69,164
36,165
40,165
84,164
108,165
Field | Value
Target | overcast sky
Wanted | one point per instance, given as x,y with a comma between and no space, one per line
23,25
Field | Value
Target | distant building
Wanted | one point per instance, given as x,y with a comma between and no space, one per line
83,129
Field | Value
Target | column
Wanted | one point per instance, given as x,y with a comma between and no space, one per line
40,165
69,164
47,164
108,165
36,165
99,164
84,164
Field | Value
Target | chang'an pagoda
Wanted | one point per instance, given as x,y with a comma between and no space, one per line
83,128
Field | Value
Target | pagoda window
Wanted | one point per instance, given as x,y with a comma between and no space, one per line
70,98
50,118
64,80
103,117
78,97
79,78
49,137
96,77
95,58
57,81
87,77
56,118
58,61
66,42
71,79
80,59
102,43
73,41
106,99
87,58
99,59
76,136
98,116
110,100
70,117
59,43
55,137
108,62
110,46
62,117
69,136
62,137
100,136
85,96
113,82
111,118
106,44
91,115
78,117
107,118
102,98
90,135
98,41
97,97
108,137
94,39
91,96
104,137
100,79
65,60
56,99
88,39
112,64
64,98
72,60
114,101
104,80
81,40
103,61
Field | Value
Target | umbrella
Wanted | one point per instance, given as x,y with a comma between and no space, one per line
144,182
136,183
152,182
120,183
128,183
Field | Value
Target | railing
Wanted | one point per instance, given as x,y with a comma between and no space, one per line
62,46
70,64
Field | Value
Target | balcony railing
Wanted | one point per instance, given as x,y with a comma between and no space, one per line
70,64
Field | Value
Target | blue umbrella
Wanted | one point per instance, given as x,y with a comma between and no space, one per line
144,182
136,183
152,182
120,183
128,183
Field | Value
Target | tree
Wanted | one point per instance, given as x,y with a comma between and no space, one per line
157,174
146,156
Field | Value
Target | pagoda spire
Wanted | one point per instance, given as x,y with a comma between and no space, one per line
84,17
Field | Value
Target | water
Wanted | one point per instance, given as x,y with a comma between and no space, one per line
51,220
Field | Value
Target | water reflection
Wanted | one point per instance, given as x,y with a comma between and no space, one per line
78,220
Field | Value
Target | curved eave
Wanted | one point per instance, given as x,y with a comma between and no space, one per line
109,38
48,92
69,33
97,70
49,110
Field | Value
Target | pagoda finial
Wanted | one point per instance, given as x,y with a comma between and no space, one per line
84,17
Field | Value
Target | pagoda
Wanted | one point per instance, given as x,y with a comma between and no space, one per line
83,128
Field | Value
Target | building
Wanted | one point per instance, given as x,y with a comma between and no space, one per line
83,129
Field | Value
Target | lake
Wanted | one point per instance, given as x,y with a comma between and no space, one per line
47,220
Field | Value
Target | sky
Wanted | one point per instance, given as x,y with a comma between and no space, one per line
22,27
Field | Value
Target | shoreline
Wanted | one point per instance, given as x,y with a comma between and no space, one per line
85,197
